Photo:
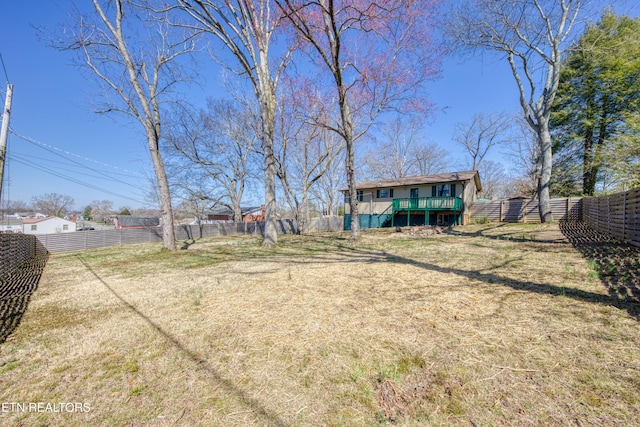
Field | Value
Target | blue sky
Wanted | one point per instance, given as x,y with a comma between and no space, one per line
63,147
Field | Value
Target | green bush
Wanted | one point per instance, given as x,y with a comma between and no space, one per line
484,219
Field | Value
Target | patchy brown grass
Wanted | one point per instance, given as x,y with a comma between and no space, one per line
487,325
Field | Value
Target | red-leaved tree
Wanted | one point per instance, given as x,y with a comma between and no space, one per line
375,56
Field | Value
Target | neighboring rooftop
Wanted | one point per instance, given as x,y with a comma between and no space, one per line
223,210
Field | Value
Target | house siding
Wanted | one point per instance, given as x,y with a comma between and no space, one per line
50,225
372,205
375,210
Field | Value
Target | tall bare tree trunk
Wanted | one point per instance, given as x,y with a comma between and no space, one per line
166,211
303,214
347,123
528,33
268,111
245,29
139,73
237,211
545,170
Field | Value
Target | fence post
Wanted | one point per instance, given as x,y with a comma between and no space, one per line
608,216
624,215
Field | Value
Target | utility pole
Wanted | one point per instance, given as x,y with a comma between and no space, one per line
4,132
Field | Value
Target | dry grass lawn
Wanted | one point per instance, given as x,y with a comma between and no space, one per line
504,325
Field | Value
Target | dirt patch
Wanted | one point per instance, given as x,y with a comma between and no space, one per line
425,230
405,399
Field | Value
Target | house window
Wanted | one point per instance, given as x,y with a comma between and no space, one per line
65,226
413,193
442,190
360,196
34,227
384,194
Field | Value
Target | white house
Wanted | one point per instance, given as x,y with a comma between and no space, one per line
11,225
49,225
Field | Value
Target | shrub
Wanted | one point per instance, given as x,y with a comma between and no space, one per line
484,219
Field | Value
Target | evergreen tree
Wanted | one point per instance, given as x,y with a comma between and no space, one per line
624,157
86,214
599,89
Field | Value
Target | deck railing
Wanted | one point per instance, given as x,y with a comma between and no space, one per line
428,203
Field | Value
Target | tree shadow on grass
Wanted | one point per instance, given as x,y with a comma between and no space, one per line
517,236
540,242
615,263
625,262
16,289
495,279
266,416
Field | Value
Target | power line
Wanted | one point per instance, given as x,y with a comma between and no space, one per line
71,179
71,163
30,158
4,68
55,150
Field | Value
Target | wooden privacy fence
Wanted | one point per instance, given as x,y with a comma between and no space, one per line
617,215
327,223
81,240
526,210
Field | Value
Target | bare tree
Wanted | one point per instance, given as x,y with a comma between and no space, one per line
101,210
305,152
430,159
133,54
13,206
391,154
52,204
219,144
525,155
531,35
494,180
399,152
326,190
194,207
234,128
482,133
246,30
377,55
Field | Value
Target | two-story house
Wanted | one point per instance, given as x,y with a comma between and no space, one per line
441,199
